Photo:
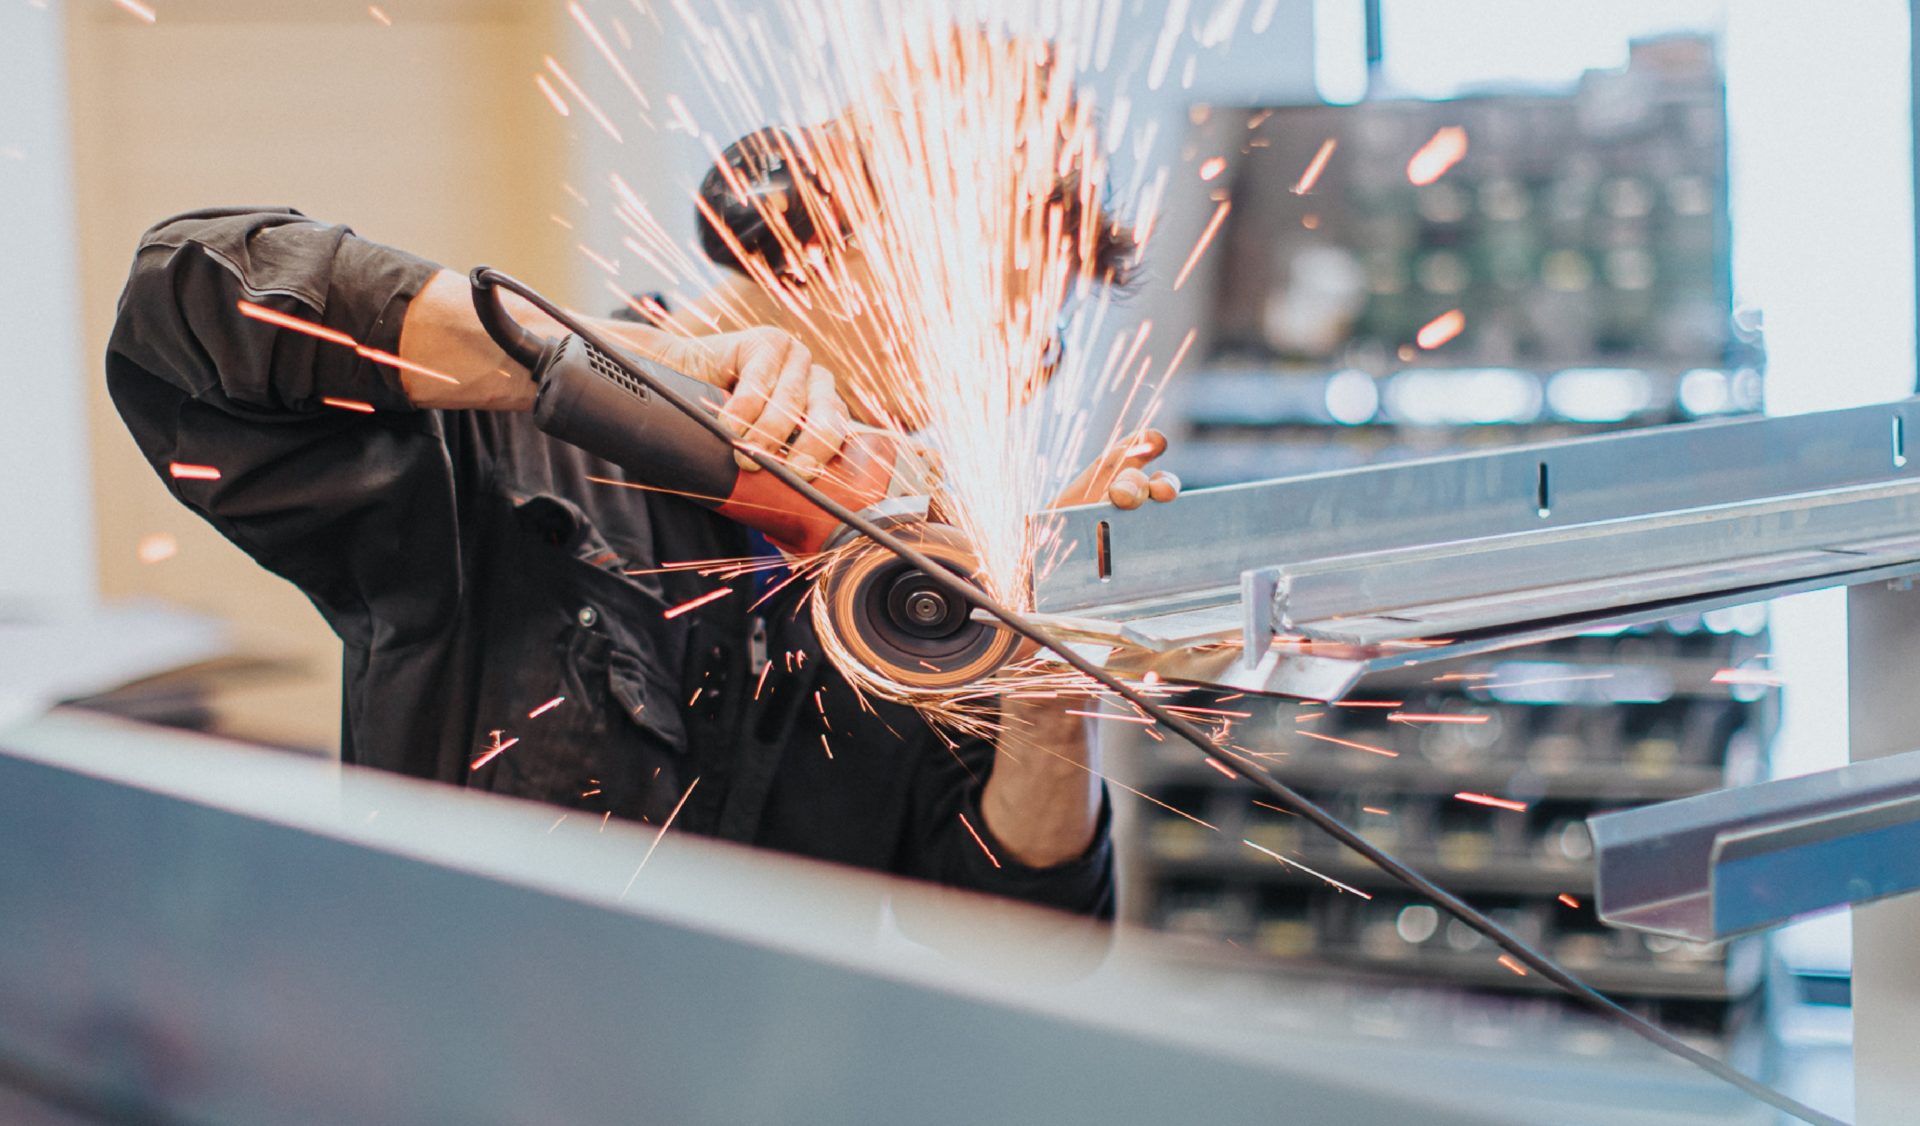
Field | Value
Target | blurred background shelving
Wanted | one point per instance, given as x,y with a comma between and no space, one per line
1568,273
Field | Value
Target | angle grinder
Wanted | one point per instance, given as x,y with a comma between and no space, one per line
888,614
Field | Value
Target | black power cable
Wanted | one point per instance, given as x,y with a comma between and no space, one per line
487,277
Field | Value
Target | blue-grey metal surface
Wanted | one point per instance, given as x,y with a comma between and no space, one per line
1468,497
204,933
1331,576
1732,861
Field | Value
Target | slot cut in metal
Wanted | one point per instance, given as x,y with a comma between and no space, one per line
1103,550
1543,498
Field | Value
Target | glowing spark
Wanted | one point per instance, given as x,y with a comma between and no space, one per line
1221,767
377,13
1497,803
138,10
1210,169
1463,676
586,103
1275,808
1206,239
1315,166
334,336
1489,687
556,822
560,221
696,603
347,404
600,260
1305,716
1441,152
606,52
1376,810
492,752
1147,721
658,837
1507,961
1420,717
185,471
1369,703
1370,749
1440,329
543,709
588,793
553,96
764,670
286,320
1568,900
1296,864
1749,676
979,840
157,548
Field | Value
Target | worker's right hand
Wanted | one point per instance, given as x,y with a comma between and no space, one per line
779,402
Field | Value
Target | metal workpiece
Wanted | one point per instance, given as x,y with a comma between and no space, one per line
1313,582
1709,867
197,931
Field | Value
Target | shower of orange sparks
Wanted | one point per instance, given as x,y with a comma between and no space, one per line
979,840
139,10
1315,166
1488,799
186,471
1442,151
1200,245
1440,329
657,837
696,603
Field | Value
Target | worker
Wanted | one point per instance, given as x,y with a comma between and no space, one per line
503,613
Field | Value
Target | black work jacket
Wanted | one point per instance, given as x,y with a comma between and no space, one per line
474,573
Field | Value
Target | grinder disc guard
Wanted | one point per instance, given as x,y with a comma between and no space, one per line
901,627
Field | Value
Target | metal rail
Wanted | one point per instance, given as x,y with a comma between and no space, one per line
1304,585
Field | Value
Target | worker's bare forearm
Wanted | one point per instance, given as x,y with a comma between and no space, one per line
443,333
1042,801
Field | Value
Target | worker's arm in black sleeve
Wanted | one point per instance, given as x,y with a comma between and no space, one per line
326,474
953,842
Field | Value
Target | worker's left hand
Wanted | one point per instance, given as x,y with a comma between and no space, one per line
1120,476
780,402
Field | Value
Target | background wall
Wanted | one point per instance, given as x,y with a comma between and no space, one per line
425,133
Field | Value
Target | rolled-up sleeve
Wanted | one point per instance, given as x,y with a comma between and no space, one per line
294,442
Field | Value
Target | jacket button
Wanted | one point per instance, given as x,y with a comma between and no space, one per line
587,616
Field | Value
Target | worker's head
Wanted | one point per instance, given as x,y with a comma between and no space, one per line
965,179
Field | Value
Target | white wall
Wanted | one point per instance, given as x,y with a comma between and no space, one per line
46,513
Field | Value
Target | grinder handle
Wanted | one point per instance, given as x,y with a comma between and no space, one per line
586,399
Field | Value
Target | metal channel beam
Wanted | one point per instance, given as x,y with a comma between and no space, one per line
199,932
1306,584
1716,865
1463,498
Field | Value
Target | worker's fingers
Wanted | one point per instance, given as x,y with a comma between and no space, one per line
1129,488
780,414
823,429
762,358
1097,481
1163,486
